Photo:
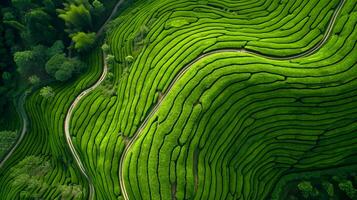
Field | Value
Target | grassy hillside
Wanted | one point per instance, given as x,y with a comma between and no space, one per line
234,123
206,99
45,140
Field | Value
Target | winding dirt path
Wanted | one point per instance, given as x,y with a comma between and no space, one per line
311,51
23,115
67,124
77,100
115,9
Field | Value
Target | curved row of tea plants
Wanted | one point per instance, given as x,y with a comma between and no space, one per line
165,36
45,140
234,124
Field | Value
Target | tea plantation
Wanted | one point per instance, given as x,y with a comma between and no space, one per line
201,99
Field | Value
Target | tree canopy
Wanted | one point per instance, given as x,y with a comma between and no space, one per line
47,92
31,60
83,41
62,68
7,138
39,27
98,7
76,17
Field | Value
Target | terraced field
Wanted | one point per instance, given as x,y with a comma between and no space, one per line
45,138
223,100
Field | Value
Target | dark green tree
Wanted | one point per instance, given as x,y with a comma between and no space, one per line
6,76
62,68
10,39
23,60
55,63
76,17
34,80
31,60
347,187
65,71
29,174
3,99
7,138
98,7
22,5
39,27
328,187
307,189
56,48
71,191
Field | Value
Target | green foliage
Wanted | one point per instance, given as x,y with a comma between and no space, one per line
175,23
129,59
23,60
47,92
5,54
55,63
50,143
244,128
328,187
15,24
39,27
22,5
31,60
107,85
62,68
83,41
6,76
29,174
56,48
98,7
330,184
71,191
32,166
7,139
34,80
52,59
50,5
8,15
30,23
110,59
76,17
77,64
10,39
64,72
347,187
140,39
40,55
306,189
105,48
110,76
3,99
338,178
112,25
